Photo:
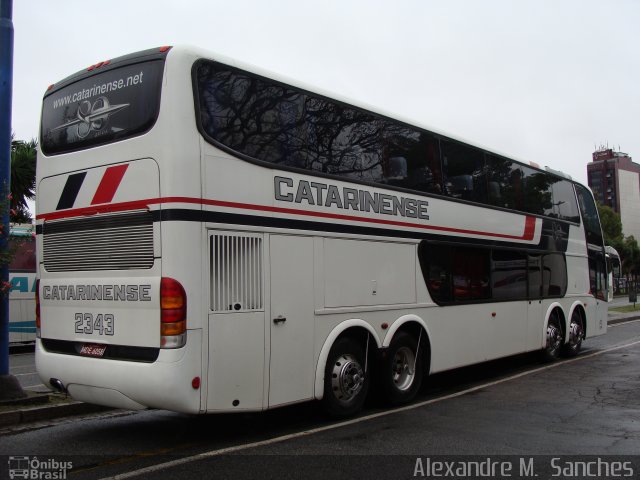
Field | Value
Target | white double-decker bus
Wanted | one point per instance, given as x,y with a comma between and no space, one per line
216,238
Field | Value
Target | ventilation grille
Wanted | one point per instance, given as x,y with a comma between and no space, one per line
236,273
104,242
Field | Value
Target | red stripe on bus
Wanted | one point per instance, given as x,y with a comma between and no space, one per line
109,184
528,234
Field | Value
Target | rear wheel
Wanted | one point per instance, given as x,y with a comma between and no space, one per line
576,335
402,369
553,345
346,381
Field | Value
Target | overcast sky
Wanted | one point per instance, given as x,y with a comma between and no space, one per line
538,80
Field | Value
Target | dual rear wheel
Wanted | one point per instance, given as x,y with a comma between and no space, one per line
348,374
555,345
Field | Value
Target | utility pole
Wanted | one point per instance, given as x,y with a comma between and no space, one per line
10,388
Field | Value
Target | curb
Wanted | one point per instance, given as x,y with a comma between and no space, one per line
612,320
48,412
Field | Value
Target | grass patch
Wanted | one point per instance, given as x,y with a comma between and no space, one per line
626,309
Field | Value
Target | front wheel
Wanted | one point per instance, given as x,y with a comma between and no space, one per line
402,369
346,381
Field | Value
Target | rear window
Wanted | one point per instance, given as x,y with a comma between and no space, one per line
105,107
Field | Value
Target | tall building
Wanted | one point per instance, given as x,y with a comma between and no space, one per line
615,181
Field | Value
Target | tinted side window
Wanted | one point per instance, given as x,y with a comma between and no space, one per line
455,274
554,275
505,185
508,275
534,275
464,171
564,201
285,126
435,261
470,274
537,197
590,216
597,275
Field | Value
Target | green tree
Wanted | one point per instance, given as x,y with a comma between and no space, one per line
23,179
611,226
630,256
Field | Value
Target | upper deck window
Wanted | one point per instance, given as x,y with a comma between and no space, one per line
101,108
268,121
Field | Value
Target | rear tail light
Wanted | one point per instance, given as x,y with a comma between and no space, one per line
38,324
173,314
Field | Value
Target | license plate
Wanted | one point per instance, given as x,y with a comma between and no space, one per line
93,350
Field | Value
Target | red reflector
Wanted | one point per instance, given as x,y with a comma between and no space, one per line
195,383
165,49
50,87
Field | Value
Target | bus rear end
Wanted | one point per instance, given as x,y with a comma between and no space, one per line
112,329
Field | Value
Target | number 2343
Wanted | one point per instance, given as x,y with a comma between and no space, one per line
101,324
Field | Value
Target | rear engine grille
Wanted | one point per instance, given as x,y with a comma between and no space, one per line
104,242
236,272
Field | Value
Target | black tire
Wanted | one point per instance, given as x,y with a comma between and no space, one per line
402,369
346,383
576,335
554,338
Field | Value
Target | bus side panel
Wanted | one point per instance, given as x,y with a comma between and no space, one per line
236,372
362,273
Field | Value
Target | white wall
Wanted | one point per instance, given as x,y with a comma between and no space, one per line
629,186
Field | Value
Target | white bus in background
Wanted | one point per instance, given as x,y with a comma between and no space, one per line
216,238
22,276
614,268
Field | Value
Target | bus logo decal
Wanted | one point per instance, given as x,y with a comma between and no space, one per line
92,117
104,193
109,184
71,190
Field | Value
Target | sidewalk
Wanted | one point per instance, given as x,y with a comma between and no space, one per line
40,407
615,317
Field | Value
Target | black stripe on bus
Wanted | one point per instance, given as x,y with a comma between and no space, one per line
549,241
70,190
546,243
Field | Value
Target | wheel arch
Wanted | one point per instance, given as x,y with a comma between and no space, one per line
410,323
352,327
555,306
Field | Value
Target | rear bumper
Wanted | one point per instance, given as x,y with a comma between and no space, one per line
164,384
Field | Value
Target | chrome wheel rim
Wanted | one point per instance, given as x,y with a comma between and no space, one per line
554,338
404,371
347,378
576,334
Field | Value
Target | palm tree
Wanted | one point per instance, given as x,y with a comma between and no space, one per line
23,178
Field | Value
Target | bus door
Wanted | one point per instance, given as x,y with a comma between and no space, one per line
291,366
237,353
